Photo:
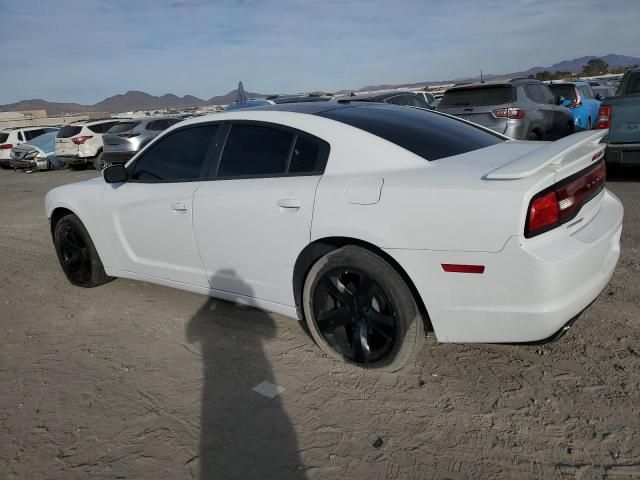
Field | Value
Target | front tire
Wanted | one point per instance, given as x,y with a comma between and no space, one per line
360,310
78,256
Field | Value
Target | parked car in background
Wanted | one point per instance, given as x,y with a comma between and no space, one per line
302,98
602,89
252,102
396,97
11,137
36,154
621,115
80,143
580,99
128,137
428,97
523,109
512,241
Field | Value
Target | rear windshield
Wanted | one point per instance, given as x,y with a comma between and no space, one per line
3,137
68,131
425,133
123,127
566,91
494,95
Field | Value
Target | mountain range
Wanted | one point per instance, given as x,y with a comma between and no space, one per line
136,100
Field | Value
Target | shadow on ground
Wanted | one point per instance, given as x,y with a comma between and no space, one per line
244,434
623,174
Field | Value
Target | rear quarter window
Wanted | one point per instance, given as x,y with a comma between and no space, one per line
633,86
491,95
428,134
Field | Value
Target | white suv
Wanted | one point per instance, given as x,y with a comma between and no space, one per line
79,143
10,137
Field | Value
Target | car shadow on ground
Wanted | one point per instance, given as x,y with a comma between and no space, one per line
244,434
623,174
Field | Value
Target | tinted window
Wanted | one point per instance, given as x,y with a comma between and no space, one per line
29,134
397,100
179,156
532,93
425,133
101,127
157,125
20,137
255,150
68,131
633,84
3,137
561,90
123,127
492,95
308,155
547,96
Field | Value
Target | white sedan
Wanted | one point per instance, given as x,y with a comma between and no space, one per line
369,222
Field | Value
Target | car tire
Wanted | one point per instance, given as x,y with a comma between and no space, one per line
77,166
588,123
78,256
378,326
99,164
533,136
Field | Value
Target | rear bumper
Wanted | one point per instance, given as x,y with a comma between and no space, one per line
117,157
528,291
623,154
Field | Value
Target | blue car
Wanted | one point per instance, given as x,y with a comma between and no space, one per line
580,99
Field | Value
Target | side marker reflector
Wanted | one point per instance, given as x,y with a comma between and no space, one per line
457,268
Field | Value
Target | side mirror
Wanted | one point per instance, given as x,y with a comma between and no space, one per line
115,174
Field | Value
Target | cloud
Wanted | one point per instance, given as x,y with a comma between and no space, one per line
72,50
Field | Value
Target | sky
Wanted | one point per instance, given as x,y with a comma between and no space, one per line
86,50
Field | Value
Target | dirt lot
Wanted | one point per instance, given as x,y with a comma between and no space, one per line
133,380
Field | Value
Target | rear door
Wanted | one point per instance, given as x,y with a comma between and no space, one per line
149,219
253,219
625,115
480,104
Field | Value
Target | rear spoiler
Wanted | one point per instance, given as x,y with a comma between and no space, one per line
551,154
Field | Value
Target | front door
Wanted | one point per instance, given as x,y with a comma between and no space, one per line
149,219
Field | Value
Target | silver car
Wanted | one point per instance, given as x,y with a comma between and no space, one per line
128,137
522,108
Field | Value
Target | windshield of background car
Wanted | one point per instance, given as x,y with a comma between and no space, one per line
491,95
68,131
425,133
122,127
566,91
3,137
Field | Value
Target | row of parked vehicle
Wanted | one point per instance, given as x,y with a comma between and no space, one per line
79,144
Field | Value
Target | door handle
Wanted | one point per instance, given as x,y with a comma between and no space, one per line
289,203
178,207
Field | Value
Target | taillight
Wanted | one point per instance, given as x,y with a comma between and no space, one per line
563,201
604,116
81,139
6,146
513,113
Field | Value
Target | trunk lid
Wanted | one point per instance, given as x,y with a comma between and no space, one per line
625,120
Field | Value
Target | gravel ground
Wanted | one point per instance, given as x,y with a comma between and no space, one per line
132,380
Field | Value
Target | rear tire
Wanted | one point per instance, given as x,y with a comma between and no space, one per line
78,256
77,166
99,164
360,310
533,136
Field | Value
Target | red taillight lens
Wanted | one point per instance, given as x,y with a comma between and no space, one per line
513,113
604,116
552,208
543,214
81,139
6,146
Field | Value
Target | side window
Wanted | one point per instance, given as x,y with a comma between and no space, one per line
397,100
308,156
157,125
532,93
20,137
252,150
547,96
179,156
417,101
97,128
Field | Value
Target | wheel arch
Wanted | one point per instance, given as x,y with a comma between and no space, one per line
320,247
56,215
